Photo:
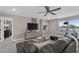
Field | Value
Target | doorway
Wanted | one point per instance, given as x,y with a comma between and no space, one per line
6,26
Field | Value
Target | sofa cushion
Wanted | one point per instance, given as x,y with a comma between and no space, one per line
30,48
20,47
26,47
66,39
47,49
56,47
71,48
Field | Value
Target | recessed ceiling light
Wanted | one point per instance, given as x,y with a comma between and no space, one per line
13,9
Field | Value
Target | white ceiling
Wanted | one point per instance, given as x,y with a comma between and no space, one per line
32,11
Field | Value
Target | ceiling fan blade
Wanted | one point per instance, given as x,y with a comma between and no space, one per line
47,8
53,13
45,14
56,9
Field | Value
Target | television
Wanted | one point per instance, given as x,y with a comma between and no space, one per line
32,26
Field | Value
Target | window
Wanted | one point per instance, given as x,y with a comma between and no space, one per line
62,26
73,26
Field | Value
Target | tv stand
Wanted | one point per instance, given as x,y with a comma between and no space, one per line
32,34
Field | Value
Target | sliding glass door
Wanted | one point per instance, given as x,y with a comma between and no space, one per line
73,26
6,28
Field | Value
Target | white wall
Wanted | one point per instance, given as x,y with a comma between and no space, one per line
53,27
19,26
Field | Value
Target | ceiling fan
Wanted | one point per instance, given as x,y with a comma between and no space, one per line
50,11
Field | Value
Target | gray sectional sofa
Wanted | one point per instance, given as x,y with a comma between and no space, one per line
58,46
